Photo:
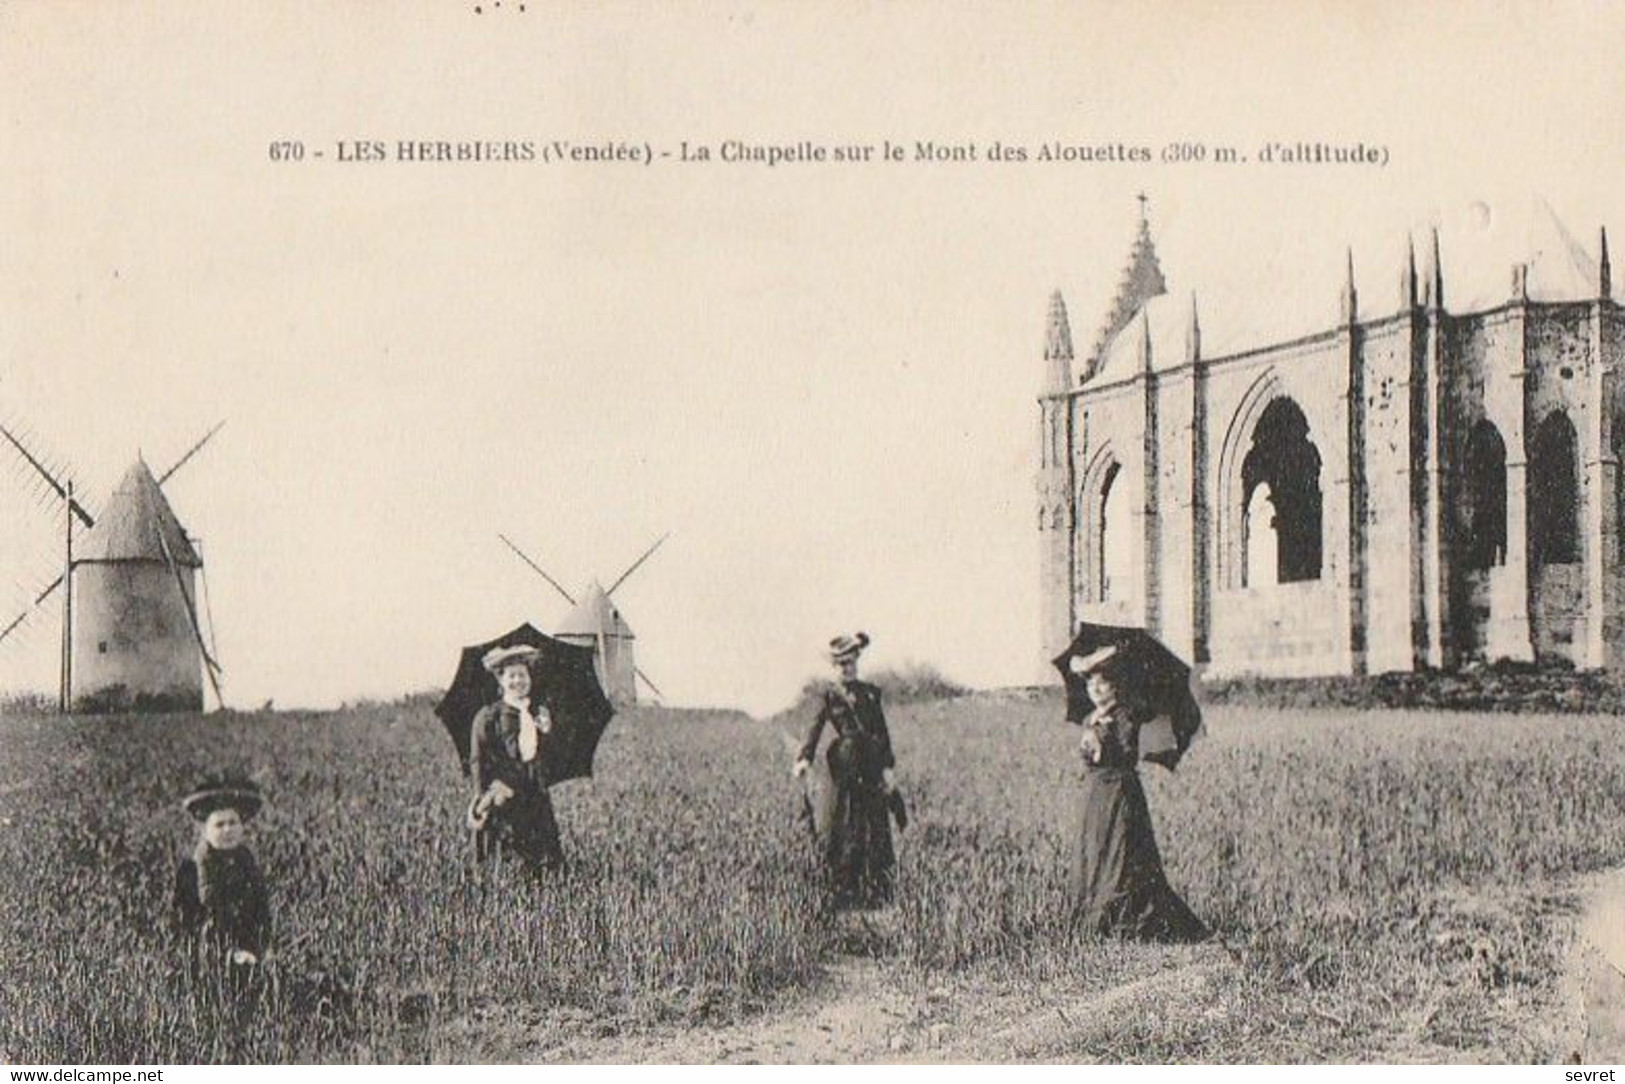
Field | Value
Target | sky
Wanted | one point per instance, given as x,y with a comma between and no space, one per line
819,378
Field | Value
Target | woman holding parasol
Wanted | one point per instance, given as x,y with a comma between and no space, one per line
508,747
525,712
1117,881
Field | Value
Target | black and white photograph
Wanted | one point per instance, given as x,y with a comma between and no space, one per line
797,533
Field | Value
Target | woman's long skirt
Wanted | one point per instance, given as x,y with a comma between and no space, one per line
526,828
1117,882
858,845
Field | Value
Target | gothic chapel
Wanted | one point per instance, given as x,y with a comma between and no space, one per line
1400,490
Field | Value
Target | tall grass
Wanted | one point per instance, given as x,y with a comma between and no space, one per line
1359,866
683,899
1362,870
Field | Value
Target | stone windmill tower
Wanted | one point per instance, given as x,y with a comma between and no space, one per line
132,638
595,621
136,639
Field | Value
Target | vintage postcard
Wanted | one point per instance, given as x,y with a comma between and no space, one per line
811,533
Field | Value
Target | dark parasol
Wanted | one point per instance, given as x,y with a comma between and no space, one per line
1161,680
562,677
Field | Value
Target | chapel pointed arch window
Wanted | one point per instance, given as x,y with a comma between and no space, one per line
1554,492
1485,496
1111,559
1284,459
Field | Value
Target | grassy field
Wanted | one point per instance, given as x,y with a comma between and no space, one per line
1385,884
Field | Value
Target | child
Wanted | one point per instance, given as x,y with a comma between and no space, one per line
221,903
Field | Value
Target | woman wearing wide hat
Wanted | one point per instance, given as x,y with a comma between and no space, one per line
1117,881
858,848
508,756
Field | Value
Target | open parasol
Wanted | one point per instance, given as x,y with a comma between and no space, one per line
562,678
1161,679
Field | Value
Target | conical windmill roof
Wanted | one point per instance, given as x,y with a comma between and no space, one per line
130,523
593,615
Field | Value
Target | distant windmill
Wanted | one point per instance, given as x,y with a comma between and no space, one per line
131,637
596,622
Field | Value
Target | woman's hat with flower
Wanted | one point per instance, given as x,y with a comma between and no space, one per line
1095,660
847,647
498,657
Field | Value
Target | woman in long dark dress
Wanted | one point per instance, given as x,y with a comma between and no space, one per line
508,747
858,849
1117,882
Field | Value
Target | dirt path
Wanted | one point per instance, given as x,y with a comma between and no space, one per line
859,1013
866,1010
1597,974
1044,1025
849,1017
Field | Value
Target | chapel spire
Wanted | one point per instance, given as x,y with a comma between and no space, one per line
1351,296
1058,345
1407,280
1141,281
1057,331
1193,333
1435,293
1605,276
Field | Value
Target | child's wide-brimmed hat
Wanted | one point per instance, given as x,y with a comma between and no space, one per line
1095,660
239,794
498,657
848,647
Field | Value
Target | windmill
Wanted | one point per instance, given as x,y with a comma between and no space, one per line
131,637
596,622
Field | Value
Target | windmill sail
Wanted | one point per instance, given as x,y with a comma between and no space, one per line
190,452
648,553
49,477
538,569
208,600
16,622
210,667
638,670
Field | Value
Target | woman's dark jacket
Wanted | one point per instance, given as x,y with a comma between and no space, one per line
853,711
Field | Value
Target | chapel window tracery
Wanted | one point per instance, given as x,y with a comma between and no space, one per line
1283,459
